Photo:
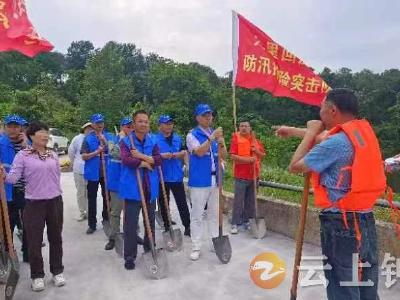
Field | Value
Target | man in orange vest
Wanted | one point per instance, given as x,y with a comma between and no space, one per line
347,177
246,151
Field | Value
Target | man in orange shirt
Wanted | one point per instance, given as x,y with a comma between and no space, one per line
245,151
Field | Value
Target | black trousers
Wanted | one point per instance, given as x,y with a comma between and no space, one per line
15,210
37,214
131,220
92,187
178,190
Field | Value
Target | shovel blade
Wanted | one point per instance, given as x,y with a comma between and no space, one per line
155,264
12,280
106,228
119,244
5,265
258,228
173,240
223,248
5,269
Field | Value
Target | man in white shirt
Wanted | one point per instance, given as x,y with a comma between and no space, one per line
74,153
203,143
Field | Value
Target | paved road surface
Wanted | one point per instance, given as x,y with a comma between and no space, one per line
93,273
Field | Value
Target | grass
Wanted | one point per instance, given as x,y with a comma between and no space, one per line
280,175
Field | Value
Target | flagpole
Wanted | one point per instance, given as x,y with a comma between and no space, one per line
234,107
235,50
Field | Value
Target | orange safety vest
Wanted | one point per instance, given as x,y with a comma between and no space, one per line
368,180
244,148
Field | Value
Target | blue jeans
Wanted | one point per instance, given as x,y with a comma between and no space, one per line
338,245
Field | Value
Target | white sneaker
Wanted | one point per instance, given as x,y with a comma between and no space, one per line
234,229
59,280
37,284
195,255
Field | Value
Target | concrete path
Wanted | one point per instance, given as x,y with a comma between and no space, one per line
93,273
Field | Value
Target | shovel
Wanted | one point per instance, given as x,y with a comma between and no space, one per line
4,262
172,237
155,260
300,237
106,224
222,246
13,276
257,225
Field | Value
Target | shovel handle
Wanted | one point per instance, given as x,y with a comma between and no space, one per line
164,191
144,205
103,163
253,142
104,173
255,188
143,200
6,218
300,236
220,195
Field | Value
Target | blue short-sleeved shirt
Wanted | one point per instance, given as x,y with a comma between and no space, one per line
327,159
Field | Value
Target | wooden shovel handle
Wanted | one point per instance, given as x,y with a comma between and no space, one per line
103,163
144,206
164,191
6,218
142,198
300,236
220,194
255,188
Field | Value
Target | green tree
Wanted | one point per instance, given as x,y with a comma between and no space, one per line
78,54
106,88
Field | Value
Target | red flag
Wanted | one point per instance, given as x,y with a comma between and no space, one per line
17,32
259,62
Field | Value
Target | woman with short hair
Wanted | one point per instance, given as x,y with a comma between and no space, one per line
44,206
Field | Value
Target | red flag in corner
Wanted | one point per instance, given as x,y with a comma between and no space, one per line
17,32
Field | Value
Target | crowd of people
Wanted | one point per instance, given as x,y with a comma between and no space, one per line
340,150
102,158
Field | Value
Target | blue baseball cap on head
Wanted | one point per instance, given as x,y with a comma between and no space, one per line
164,119
97,118
202,109
126,121
13,119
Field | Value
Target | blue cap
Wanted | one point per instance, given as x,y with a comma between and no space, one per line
164,119
126,121
13,119
202,109
97,118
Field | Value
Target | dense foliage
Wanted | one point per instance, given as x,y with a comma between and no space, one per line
64,89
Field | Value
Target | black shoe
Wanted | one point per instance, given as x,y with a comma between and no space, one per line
187,232
130,265
90,230
139,240
110,245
